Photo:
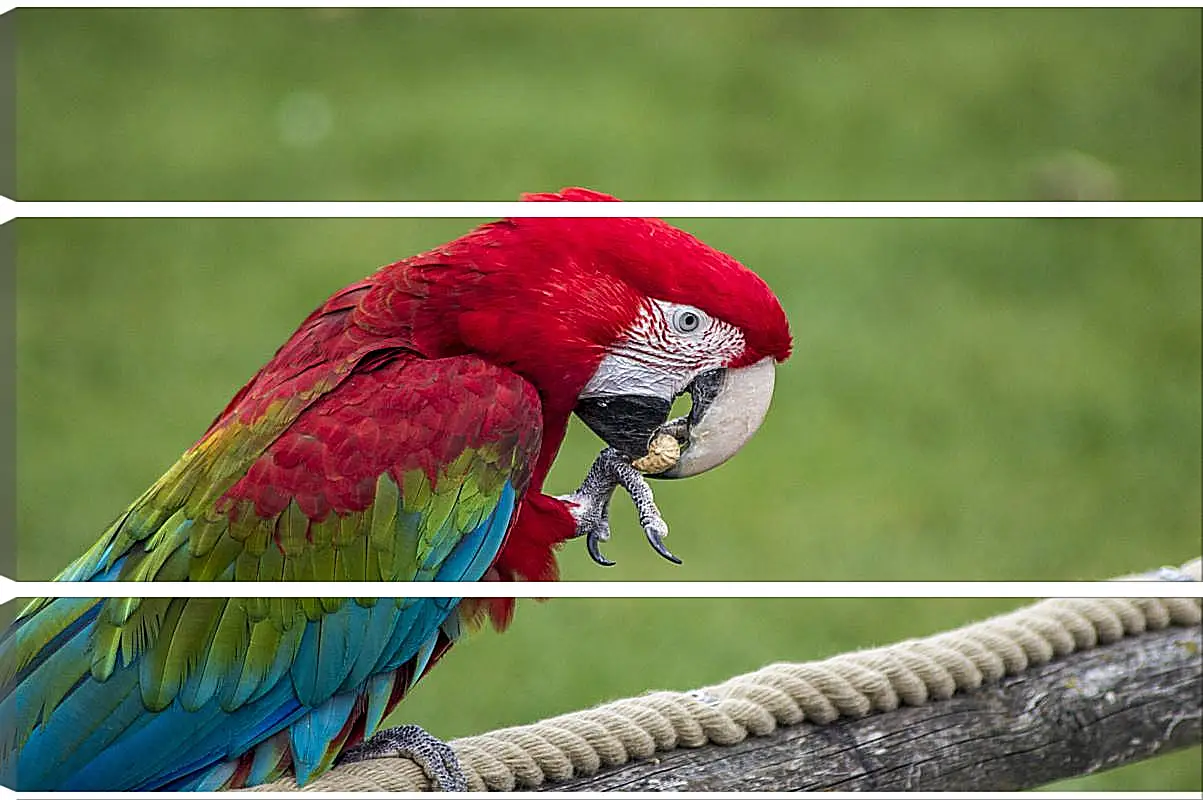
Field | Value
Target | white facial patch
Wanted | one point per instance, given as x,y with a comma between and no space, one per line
663,350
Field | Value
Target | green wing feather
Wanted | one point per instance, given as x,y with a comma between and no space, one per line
200,522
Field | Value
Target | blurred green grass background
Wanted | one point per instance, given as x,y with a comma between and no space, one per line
992,399
969,399
653,104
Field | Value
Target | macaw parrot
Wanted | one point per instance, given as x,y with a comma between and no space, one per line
403,433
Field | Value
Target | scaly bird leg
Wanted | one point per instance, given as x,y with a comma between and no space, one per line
433,755
591,505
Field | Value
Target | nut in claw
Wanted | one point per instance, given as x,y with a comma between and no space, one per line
662,454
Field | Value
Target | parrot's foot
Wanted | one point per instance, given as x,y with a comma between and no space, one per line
433,755
591,505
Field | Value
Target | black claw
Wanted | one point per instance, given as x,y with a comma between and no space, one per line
593,546
657,544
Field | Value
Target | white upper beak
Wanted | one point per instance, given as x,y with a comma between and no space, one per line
728,421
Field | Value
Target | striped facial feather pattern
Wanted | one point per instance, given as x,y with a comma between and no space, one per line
666,346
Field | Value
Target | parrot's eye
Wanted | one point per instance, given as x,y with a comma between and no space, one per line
689,320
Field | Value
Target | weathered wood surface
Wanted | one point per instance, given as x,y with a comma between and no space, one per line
1090,711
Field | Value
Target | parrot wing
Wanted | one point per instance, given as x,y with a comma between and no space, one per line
403,469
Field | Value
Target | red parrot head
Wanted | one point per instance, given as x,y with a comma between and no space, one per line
612,318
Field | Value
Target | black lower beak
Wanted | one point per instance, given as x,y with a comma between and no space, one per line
629,422
626,423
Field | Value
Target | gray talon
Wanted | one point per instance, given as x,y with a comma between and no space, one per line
591,510
655,538
433,755
591,544
654,526
591,505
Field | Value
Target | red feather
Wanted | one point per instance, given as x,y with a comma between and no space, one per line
388,420
542,297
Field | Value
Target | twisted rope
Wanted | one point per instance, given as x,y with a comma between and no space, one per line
855,684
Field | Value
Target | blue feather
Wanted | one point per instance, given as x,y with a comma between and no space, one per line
369,642
101,737
324,657
477,550
312,734
378,692
269,754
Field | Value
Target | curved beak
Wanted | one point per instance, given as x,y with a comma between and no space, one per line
728,407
